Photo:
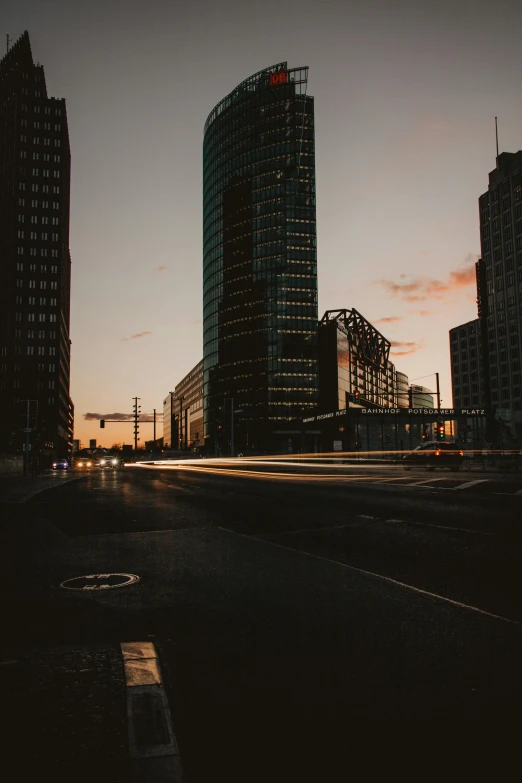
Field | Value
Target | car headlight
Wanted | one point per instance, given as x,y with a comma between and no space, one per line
114,461
80,464
89,464
103,461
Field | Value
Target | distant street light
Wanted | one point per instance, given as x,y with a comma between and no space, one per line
437,393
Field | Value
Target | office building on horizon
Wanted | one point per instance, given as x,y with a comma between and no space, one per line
488,375
259,263
35,265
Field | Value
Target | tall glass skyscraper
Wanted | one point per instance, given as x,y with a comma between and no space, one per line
259,263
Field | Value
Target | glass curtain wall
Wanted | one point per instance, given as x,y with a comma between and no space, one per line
259,263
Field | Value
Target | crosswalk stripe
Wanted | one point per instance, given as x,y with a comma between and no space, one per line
471,483
426,481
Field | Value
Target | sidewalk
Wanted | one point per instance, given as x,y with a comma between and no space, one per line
17,489
66,712
86,711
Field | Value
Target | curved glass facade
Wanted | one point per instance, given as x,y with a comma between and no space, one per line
259,262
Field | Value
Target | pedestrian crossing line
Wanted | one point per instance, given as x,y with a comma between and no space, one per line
390,480
471,483
390,580
442,527
426,481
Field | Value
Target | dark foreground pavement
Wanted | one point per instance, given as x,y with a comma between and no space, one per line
277,654
67,713
74,711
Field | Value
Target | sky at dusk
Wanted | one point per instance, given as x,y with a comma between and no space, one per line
405,99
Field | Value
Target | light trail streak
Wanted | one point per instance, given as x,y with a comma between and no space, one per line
264,474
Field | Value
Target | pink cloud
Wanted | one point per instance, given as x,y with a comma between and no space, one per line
390,319
419,289
117,416
405,348
136,336
423,313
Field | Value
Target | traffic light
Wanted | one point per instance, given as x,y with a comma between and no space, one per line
440,430
426,433
102,423
357,395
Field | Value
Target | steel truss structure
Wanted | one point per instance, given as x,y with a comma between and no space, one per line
366,342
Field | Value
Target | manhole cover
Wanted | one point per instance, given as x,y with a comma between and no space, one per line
99,581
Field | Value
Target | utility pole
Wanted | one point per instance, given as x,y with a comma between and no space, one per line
229,404
438,391
180,423
27,432
137,409
154,426
232,447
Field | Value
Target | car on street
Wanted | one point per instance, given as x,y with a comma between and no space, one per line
109,461
61,464
83,463
434,454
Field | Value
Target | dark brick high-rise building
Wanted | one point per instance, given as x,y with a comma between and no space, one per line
487,354
35,265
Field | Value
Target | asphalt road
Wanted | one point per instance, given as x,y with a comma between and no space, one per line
287,610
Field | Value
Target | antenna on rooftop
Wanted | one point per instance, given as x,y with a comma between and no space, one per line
496,136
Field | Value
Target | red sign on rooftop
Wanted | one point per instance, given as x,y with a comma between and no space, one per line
279,77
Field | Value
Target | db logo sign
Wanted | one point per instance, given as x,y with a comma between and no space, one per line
279,77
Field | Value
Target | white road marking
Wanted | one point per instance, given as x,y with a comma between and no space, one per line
153,747
389,480
442,527
426,481
471,483
385,579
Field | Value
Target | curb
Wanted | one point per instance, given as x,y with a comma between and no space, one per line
153,748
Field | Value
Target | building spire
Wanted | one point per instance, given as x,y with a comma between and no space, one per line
496,137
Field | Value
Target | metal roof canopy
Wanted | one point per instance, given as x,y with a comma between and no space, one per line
365,340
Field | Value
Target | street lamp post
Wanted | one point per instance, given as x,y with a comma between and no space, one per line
437,393
230,401
180,424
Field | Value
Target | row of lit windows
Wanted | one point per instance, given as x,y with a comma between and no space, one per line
31,300
35,187
42,317
47,110
55,221
214,188
44,172
37,125
35,203
18,367
229,161
46,157
45,140
18,385
32,334
43,267
33,235
269,119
